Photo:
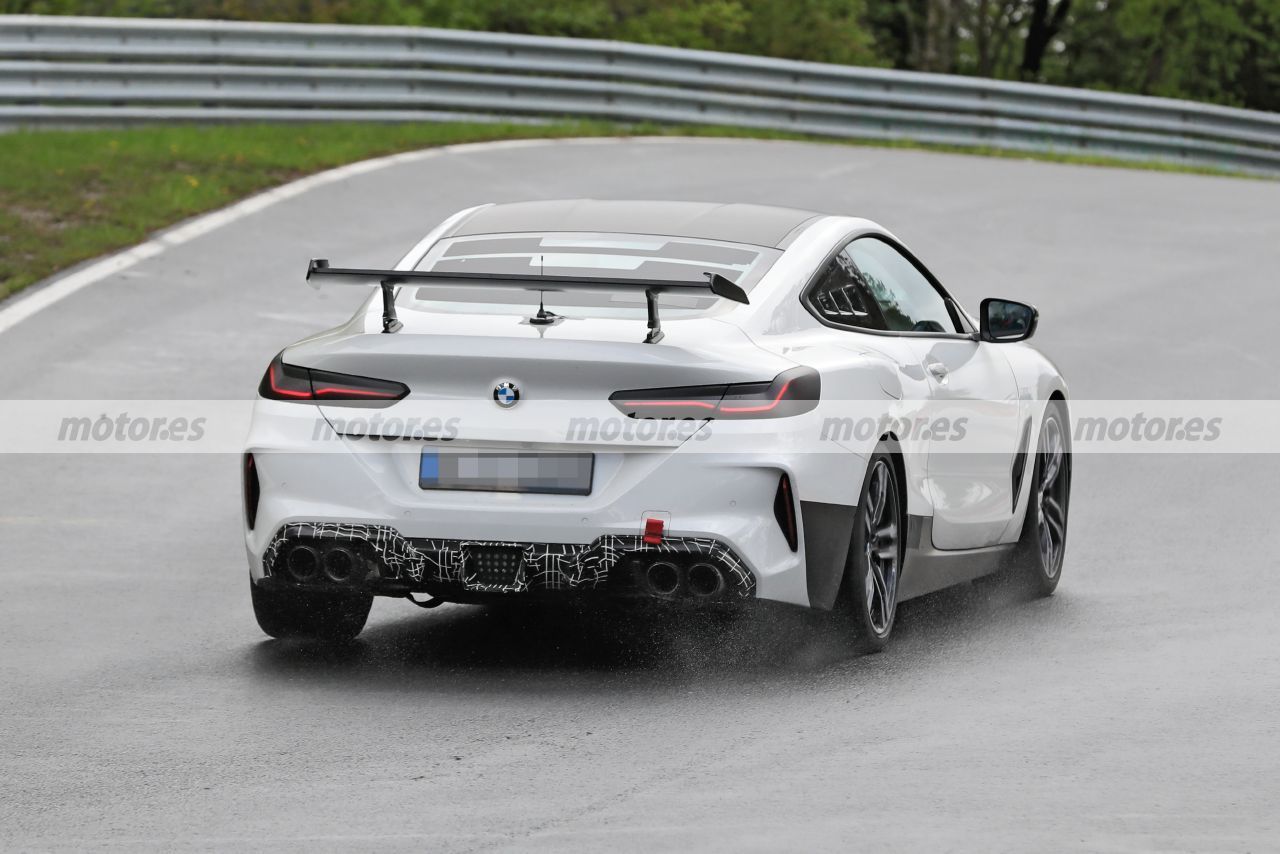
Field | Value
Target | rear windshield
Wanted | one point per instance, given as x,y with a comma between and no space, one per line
626,256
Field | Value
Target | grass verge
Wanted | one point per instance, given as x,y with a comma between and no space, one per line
67,196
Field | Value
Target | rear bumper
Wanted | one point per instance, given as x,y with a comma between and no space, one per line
380,560
705,491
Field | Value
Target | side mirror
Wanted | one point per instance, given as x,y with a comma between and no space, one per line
1003,321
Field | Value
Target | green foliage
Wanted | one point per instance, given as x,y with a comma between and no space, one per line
817,30
829,30
1188,49
1222,51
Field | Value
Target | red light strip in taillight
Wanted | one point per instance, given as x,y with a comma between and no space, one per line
353,392
284,392
763,407
701,403
797,388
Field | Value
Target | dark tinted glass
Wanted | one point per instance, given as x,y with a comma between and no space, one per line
908,301
839,296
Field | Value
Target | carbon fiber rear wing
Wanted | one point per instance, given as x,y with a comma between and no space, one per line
714,284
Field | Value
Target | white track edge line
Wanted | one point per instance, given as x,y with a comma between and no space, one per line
42,296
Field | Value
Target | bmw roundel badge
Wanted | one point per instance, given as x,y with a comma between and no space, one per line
506,395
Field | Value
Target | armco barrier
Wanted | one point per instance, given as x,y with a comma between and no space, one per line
66,70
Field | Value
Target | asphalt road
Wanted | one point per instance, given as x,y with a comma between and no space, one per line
141,708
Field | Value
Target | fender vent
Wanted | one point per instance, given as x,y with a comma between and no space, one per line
784,510
1020,461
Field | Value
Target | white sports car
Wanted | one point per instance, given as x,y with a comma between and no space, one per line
677,401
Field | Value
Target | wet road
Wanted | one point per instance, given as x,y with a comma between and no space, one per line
143,710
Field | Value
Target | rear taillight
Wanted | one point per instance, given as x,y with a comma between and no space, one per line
285,382
789,393
304,385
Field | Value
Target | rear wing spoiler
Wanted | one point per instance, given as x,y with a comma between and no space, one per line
715,284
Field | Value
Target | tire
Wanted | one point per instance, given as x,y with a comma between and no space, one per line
874,565
1043,544
333,617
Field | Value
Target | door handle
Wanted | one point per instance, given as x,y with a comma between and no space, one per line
938,370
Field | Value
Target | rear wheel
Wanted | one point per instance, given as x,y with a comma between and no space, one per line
307,614
875,555
1044,533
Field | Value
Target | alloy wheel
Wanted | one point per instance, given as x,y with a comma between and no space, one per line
1052,497
882,529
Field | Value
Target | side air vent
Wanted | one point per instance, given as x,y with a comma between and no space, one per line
784,510
252,491
1020,461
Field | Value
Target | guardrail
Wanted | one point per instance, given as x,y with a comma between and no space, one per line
64,70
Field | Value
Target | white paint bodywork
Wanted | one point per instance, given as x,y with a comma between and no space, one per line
720,484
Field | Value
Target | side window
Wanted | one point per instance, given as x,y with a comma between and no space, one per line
839,296
907,301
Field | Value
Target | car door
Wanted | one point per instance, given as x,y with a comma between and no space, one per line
971,385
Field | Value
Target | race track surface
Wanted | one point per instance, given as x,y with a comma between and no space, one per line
142,709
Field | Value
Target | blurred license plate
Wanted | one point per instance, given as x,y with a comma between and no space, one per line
557,474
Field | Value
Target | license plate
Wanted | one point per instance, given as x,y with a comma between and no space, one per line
507,471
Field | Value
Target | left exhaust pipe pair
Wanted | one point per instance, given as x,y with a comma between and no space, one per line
304,563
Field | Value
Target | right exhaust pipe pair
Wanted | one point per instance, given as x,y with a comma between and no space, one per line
702,580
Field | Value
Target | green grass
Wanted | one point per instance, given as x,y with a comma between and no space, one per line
67,196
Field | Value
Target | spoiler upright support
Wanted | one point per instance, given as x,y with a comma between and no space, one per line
655,322
390,323
715,284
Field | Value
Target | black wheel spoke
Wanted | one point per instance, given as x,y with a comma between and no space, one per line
877,496
877,578
1053,456
1053,518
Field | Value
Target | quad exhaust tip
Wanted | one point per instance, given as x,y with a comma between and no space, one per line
705,580
306,563
303,563
701,580
339,564
663,578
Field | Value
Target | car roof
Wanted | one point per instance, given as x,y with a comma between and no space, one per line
760,225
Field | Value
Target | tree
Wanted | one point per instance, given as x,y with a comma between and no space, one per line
996,27
1208,50
1258,80
1045,23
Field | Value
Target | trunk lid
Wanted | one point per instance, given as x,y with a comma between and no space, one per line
564,372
